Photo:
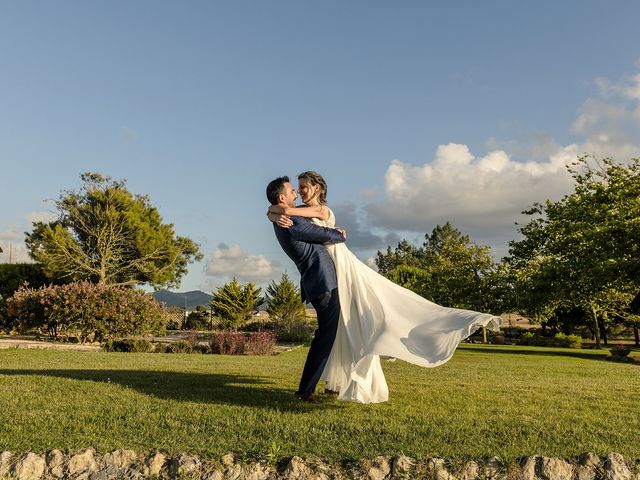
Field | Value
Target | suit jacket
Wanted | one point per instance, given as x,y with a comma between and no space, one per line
303,243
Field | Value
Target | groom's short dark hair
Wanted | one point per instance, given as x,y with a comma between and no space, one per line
275,188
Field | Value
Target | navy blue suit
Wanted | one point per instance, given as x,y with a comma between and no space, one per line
303,243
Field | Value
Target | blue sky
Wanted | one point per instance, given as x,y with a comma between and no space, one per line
415,112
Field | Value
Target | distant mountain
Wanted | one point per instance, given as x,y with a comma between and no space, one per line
190,299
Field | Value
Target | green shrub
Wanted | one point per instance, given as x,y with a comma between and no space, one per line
567,341
128,345
197,320
259,326
559,340
14,275
297,332
86,310
181,346
526,338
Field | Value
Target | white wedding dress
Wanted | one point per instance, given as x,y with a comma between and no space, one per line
379,317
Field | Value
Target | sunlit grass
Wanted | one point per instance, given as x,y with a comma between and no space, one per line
488,400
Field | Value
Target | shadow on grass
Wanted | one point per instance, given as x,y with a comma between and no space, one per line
211,388
598,355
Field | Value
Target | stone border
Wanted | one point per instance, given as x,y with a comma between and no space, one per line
128,464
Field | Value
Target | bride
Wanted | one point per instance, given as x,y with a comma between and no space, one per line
377,316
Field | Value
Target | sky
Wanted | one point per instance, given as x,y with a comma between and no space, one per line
415,112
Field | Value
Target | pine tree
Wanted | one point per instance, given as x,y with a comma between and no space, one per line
284,303
235,303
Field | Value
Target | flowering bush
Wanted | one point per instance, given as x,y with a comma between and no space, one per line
261,343
87,310
228,343
238,343
620,350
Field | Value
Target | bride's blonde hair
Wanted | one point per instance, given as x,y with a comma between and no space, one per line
314,178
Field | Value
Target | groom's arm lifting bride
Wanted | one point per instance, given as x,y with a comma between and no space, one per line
303,243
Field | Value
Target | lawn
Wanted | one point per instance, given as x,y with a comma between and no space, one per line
488,400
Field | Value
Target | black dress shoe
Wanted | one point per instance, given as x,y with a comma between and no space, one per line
333,393
309,398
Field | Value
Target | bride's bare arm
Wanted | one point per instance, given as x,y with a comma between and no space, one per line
316,211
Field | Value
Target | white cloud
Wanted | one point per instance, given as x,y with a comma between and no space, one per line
471,192
483,195
628,87
226,262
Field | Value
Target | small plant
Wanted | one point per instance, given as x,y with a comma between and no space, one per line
261,343
620,351
274,453
297,332
228,343
134,345
181,346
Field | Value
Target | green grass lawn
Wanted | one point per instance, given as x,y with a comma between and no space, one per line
488,400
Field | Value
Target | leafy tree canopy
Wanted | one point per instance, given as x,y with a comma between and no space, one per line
583,250
106,234
448,268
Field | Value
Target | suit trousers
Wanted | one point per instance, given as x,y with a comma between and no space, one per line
328,310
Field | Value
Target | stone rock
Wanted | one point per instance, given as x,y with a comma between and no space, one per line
233,471
183,465
378,469
29,467
297,469
493,467
256,471
470,471
155,463
107,473
615,468
437,469
5,463
55,463
228,459
401,466
528,468
120,458
82,462
324,471
213,475
555,469
587,467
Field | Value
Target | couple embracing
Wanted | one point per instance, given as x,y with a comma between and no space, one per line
361,314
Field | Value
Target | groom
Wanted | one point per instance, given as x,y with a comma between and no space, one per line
303,243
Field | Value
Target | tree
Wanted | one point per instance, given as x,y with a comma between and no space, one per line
448,269
198,319
583,250
107,235
405,254
235,304
284,303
